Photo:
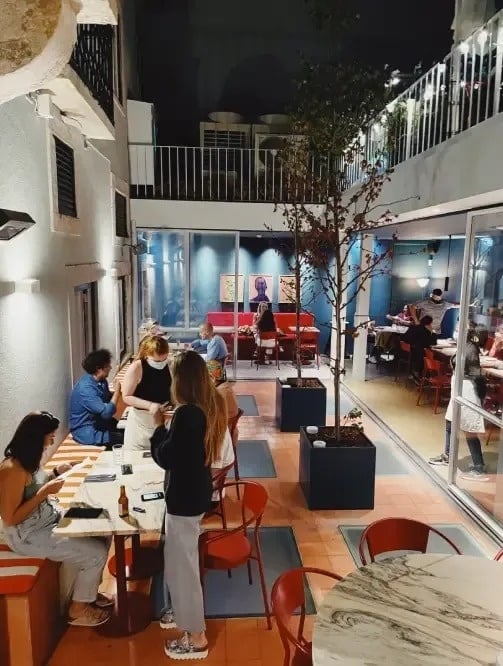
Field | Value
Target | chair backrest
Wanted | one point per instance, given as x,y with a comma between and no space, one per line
428,353
405,347
432,365
391,534
499,555
233,422
288,595
219,476
267,335
308,337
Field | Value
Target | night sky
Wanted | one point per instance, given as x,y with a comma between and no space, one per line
199,56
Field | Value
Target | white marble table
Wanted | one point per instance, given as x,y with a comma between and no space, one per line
439,610
133,611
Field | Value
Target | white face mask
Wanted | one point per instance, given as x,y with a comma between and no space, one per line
437,299
157,365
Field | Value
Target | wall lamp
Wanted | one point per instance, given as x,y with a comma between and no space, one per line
27,286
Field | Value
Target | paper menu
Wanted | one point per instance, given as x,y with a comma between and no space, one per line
76,468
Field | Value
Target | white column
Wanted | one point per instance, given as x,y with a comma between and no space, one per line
362,314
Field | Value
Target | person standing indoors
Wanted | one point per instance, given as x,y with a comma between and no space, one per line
187,451
145,388
471,423
92,405
29,517
435,307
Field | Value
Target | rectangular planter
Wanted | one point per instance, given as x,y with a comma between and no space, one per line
297,406
337,477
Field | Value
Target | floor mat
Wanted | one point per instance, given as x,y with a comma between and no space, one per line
458,534
248,404
255,460
235,597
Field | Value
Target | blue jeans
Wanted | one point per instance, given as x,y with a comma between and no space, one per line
474,447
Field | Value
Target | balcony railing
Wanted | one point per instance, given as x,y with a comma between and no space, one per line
462,91
92,60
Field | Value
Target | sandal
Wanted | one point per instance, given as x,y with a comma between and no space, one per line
184,648
104,600
91,617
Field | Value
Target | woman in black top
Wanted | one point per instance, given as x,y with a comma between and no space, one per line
263,322
145,388
186,451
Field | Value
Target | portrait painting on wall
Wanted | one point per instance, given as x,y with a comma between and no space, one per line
227,287
286,291
260,288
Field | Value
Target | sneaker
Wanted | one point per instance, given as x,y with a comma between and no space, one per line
442,459
167,620
184,648
474,475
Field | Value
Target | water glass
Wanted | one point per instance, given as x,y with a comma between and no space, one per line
117,454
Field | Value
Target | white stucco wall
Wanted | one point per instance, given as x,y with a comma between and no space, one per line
36,358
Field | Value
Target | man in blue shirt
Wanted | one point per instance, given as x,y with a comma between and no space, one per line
92,405
211,344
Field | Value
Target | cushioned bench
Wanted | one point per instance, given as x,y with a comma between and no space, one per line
30,615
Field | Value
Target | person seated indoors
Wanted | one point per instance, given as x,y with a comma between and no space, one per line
403,318
210,344
263,322
419,338
496,350
92,405
29,517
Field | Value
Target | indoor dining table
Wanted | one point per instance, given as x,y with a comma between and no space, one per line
133,611
414,610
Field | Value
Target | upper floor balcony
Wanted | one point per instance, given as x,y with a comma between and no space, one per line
448,119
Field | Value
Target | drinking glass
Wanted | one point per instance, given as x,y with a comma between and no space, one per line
117,454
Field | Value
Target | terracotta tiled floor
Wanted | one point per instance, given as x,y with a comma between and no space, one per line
246,642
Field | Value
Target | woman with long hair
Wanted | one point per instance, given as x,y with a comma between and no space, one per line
29,517
474,390
263,322
187,451
145,388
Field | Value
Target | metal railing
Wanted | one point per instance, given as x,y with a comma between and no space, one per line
92,60
453,96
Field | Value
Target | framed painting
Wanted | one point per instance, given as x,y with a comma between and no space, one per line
227,288
260,288
286,290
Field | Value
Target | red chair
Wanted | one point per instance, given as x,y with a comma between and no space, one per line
404,359
433,378
499,555
259,348
231,548
288,595
389,534
232,424
219,478
143,559
309,343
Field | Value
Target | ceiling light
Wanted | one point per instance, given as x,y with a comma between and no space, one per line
422,282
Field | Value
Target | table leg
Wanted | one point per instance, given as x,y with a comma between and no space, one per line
133,611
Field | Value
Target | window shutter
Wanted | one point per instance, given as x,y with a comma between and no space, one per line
65,175
121,225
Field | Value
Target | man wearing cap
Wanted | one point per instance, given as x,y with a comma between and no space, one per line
434,307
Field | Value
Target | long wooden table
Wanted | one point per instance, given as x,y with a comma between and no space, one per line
132,611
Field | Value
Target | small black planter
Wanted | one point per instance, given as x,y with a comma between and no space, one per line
300,405
337,477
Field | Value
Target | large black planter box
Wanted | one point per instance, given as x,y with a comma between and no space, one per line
297,406
337,477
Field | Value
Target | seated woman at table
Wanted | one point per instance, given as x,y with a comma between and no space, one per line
187,451
403,318
29,517
471,423
145,388
420,338
263,322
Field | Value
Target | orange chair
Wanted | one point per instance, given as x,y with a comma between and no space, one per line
231,548
499,555
404,359
288,595
433,378
262,336
219,478
309,342
389,534
232,424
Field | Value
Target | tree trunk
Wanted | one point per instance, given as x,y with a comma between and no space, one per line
298,360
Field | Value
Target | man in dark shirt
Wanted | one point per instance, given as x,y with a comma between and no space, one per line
419,338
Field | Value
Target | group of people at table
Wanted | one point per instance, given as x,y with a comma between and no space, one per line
177,411
423,323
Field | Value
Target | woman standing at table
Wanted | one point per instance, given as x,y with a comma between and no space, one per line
29,518
187,451
145,388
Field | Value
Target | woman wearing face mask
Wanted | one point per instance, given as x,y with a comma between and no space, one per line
145,388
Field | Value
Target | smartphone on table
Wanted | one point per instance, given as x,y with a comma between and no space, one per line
148,497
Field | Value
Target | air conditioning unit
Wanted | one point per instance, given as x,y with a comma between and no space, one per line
268,148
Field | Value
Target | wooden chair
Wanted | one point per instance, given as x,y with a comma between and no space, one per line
390,534
433,378
232,424
404,359
232,548
287,596
262,336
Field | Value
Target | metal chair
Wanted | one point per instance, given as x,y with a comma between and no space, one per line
404,359
263,336
390,534
219,478
433,378
232,424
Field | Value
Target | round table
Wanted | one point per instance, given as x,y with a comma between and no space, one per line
417,609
